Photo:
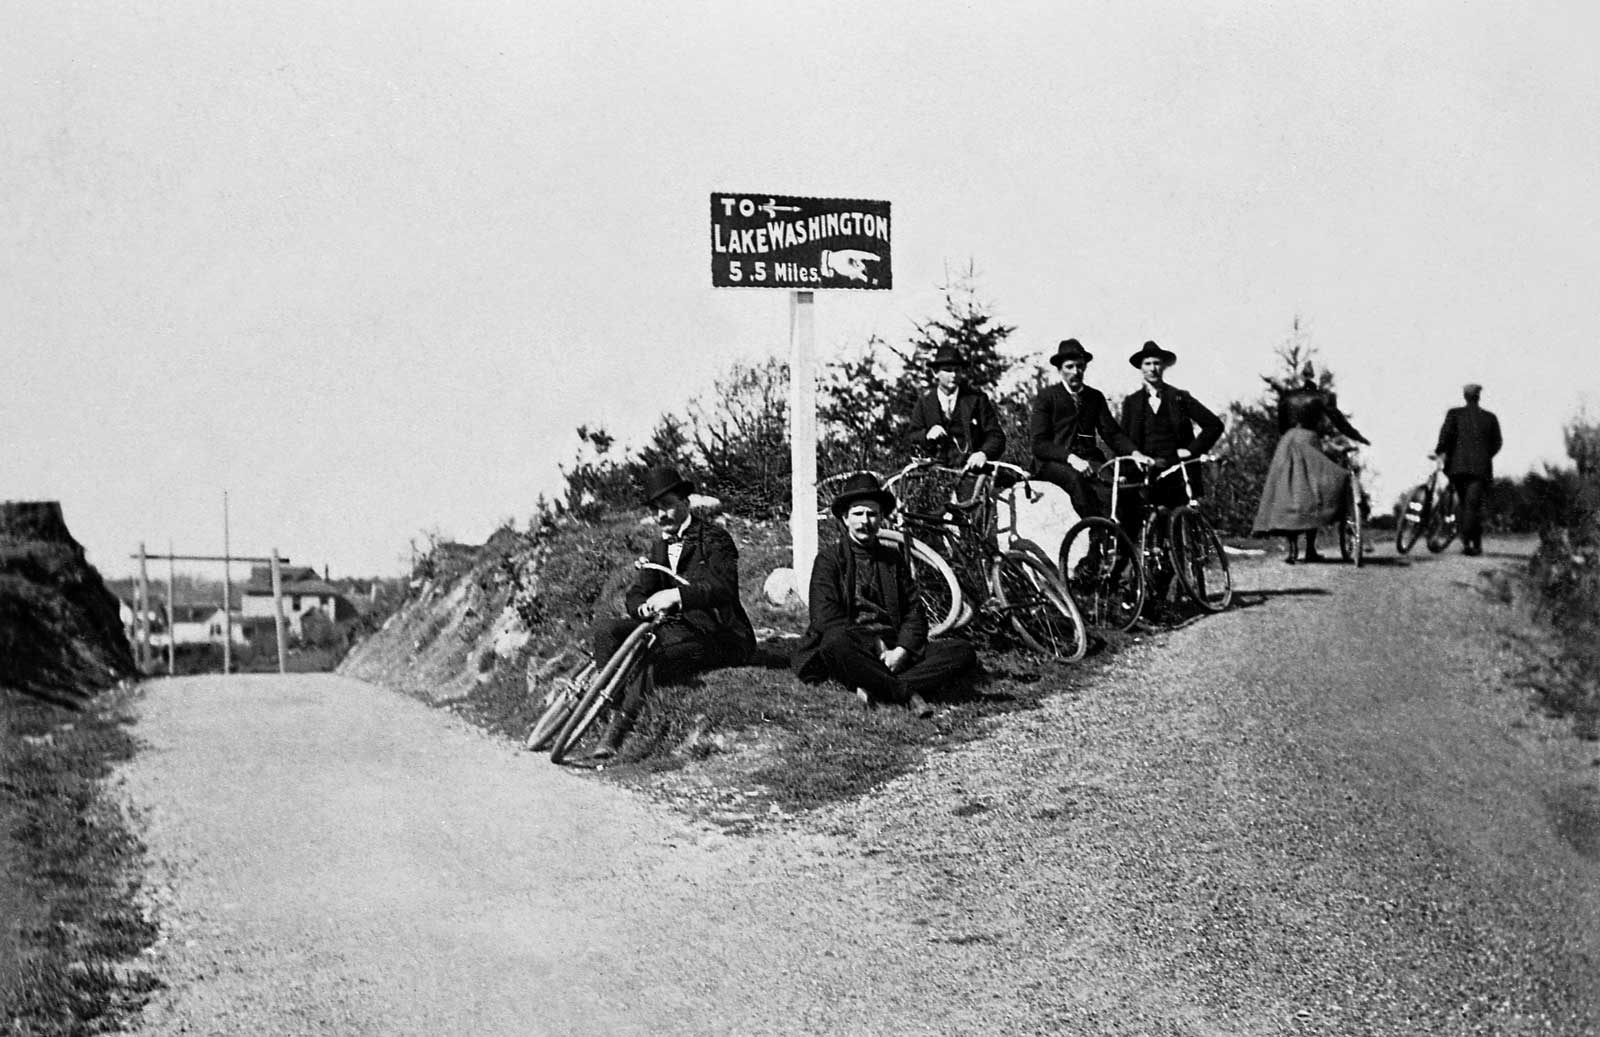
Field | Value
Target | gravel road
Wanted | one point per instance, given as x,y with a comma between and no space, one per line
1328,811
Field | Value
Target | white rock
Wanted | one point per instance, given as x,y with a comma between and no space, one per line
780,587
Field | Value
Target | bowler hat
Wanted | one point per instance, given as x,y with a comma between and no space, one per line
1166,356
658,482
1472,389
948,356
861,486
1070,349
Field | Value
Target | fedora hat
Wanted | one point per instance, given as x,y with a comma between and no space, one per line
861,486
948,356
1166,356
1070,349
658,482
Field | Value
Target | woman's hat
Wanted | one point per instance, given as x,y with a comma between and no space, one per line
1166,356
658,482
948,356
1070,349
861,486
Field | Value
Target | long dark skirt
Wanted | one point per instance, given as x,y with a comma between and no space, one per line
1305,489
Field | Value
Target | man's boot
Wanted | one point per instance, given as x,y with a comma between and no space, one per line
611,742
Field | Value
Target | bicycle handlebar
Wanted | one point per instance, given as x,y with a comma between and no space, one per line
647,564
1197,459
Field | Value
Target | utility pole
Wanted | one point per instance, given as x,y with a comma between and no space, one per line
172,613
227,593
143,655
277,612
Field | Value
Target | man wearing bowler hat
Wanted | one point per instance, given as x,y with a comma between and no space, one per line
1063,424
708,628
954,423
1468,441
867,626
1161,420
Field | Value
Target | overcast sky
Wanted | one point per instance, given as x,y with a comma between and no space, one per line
366,265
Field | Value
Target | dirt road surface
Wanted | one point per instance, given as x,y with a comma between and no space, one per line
1328,811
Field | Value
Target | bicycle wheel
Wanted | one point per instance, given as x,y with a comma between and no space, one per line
1038,607
936,582
1442,523
1409,524
563,699
1101,567
1201,562
624,664
1155,558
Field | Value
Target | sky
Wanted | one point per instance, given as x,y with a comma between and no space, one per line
364,267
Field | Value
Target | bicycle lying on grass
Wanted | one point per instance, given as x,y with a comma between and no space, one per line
574,705
1113,580
1429,511
991,586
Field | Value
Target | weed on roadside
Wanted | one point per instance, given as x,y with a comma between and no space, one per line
73,872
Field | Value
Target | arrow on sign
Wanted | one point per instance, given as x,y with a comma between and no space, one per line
772,208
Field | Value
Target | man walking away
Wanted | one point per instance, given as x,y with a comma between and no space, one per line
1468,441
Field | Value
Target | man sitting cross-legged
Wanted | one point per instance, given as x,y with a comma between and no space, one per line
710,629
868,629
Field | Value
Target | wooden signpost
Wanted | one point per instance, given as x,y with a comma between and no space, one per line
803,245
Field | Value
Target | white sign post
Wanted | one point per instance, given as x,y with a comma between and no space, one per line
802,439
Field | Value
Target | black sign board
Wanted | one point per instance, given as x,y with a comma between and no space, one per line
774,241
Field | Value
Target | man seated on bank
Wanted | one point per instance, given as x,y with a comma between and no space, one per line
867,626
709,628
1063,424
954,423
1161,420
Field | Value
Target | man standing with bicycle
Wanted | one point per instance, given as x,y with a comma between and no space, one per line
954,423
1468,441
709,628
1161,420
1063,424
867,627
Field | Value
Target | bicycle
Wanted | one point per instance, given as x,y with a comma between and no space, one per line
1351,525
1429,510
1102,567
1013,586
1180,543
579,703
936,581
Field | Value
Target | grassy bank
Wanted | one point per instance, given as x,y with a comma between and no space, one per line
1565,575
73,927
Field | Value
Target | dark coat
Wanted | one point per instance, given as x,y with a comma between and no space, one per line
974,426
710,562
1060,428
1469,439
833,594
1191,412
1316,410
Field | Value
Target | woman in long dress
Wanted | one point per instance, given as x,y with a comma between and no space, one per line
1305,489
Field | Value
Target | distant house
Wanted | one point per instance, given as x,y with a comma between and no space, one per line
303,591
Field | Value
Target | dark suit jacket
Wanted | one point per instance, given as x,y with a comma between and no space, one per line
833,595
974,426
710,562
1060,428
1315,410
1135,414
1469,439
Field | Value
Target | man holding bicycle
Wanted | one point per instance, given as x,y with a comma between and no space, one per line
1063,424
867,627
1161,420
709,627
1468,441
953,423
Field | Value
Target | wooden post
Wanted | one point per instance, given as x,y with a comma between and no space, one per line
144,611
802,439
227,593
172,613
277,612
